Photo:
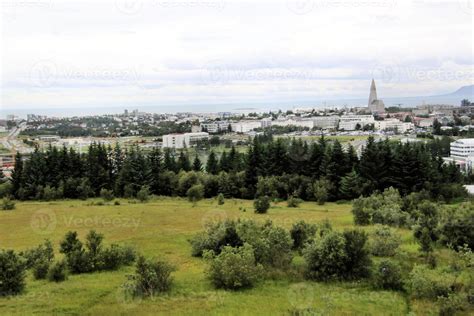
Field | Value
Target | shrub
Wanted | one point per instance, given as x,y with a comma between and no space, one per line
385,242
293,201
195,193
321,190
40,270
456,226
388,276
220,199
42,253
216,236
326,257
452,304
301,232
423,282
115,256
150,278
358,262
117,202
261,204
12,273
107,195
50,193
144,194
8,204
385,208
58,272
233,268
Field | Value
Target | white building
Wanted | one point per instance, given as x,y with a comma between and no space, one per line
183,140
294,122
462,154
215,127
245,126
350,122
393,125
325,121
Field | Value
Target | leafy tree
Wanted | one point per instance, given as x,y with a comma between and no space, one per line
106,194
183,162
321,190
58,272
261,204
385,242
195,193
8,204
144,194
388,276
12,273
357,262
302,232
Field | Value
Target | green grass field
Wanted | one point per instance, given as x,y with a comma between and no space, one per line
161,228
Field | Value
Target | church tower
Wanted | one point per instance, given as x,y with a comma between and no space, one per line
375,105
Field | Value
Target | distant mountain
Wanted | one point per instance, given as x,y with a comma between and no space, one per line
464,91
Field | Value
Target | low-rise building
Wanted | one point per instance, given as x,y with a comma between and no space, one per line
183,140
393,125
462,154
350,122
245,126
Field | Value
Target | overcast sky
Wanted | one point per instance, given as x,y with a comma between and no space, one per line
151,52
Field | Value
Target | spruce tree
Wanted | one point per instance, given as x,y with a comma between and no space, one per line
211,165
183,162
197,165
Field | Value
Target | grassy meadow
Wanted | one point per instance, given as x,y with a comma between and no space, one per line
161,228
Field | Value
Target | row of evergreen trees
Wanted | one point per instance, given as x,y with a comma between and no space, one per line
408,167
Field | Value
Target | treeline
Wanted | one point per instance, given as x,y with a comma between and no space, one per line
275,168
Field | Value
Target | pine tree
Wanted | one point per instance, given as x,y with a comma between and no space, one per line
350,187
211,165
156,166
183,162
197,165
224,162
169,161
17,175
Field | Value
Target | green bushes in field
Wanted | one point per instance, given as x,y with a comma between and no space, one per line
195,193
293,201
39,259
456,226
302,232
384,242
234,267
423,282
151,278
57,272
93,256
385,208
216,236
107,195
220,199
261,204
388,275
8,204
337,255
12,273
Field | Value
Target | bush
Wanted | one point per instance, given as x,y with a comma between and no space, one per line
321,190
150,278
216,236
301,232
388,276
12,273
195,193
144,194
423,282
358,262
115,256
220,199
385,208
107,195
385,242
42,253
456,226
58,272
452,304
40,270
261,204
117,202
326,257
233,268
8,204
293,201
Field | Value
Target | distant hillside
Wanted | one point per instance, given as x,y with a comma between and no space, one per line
464,91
